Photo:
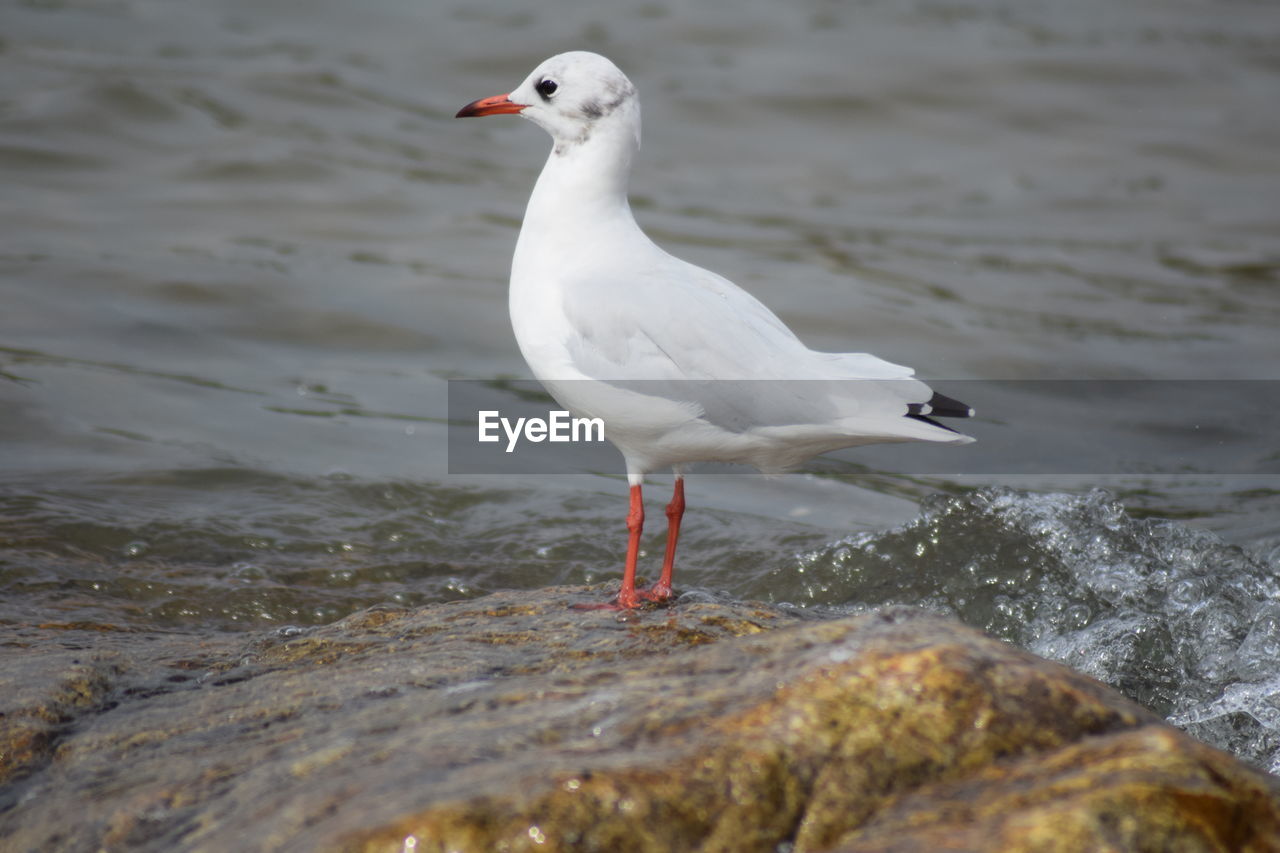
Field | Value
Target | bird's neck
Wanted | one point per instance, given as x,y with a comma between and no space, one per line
583,185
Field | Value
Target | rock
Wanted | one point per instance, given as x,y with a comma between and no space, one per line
1149,789
514,722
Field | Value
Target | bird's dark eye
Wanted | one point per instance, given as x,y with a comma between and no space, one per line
547,88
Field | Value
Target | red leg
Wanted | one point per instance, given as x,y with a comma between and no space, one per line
661,590
635,525
627,597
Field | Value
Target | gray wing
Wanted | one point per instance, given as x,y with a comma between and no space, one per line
678,332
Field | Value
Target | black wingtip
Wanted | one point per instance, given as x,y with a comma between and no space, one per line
939,406
942,406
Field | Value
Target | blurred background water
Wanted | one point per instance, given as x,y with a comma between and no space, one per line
243,245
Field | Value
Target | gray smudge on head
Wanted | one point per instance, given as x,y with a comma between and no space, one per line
616,91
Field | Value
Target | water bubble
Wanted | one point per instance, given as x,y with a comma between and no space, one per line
246,572
1078,615
136,548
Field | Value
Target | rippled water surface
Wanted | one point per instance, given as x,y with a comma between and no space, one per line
246,244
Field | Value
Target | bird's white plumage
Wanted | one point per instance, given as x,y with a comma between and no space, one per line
670,355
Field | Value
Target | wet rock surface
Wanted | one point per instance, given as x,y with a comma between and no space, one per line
515,722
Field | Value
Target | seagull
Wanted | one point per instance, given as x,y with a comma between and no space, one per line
680,364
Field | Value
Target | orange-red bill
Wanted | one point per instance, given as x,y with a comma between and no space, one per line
494,106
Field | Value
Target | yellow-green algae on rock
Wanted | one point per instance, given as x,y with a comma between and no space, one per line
513,722
828,735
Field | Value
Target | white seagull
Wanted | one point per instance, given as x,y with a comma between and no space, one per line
681,364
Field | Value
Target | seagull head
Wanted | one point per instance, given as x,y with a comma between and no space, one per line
574,97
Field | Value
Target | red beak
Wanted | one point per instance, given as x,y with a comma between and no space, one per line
494,106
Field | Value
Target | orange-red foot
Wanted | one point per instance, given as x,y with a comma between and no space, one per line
658,592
